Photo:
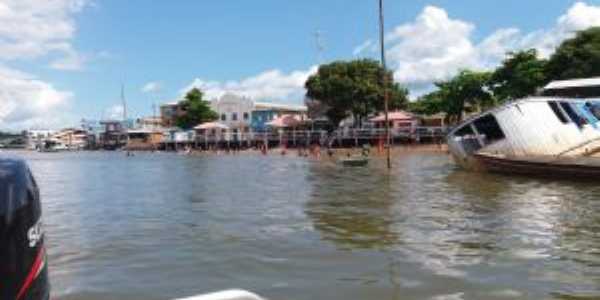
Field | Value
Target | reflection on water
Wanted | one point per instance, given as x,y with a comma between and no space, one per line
351,206
158,226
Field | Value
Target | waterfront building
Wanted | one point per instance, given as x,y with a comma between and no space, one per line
264,112
437,120
147,134
399,121
239,118
71,138
36,138
211,132
149,123
169,112
235,112
144,139
113,135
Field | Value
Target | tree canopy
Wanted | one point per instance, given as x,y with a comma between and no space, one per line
196,110
468,88
346,88
520,75
578,57
429,104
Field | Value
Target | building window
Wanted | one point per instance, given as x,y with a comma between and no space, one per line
246,116
234,116
223,117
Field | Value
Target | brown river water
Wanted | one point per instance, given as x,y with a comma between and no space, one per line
160,226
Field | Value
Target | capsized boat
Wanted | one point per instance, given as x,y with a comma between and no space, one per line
555,133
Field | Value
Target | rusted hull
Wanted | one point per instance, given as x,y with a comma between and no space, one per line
540,167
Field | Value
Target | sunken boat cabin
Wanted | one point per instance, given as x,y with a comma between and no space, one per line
557,131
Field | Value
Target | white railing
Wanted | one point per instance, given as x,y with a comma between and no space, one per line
321,136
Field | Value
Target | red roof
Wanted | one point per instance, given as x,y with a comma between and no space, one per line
394,116
285,121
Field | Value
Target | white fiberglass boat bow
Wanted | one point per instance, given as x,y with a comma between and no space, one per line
226,295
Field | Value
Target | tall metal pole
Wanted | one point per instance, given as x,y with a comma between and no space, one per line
123,102
320,46
125,121
384,83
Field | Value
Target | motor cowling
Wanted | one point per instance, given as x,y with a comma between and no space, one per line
23,268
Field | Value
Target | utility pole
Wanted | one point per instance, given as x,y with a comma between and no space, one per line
384,82
125,121
123,102
154,115
320,46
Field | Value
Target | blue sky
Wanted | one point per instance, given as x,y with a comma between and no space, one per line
263,48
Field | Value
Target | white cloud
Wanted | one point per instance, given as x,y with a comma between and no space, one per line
70,61
432,48
115,112
367,46
152,87
33,28
272,85
29,30
28,102
435,46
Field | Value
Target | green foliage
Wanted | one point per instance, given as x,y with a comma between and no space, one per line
468,88
345,88
578,57
197,110
429,104
466,92
520,75
355,88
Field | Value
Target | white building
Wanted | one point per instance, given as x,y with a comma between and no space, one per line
35,138
235,112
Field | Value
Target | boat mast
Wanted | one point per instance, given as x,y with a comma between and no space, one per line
124,103
384,82
320,46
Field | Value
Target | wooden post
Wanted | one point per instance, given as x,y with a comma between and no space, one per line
384,82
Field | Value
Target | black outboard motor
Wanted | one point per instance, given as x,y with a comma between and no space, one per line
23,269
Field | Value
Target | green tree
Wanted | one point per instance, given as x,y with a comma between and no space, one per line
520,75
429,104
197,110
468,88
578,57
346,88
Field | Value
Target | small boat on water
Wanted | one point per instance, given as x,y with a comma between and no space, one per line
52,146
355,161
554,134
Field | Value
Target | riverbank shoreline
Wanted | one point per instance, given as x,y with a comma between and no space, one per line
395,150
322,152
